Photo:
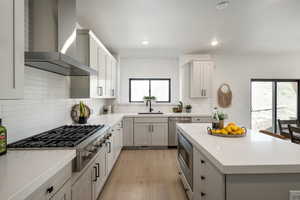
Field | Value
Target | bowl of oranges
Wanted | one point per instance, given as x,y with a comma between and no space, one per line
231,130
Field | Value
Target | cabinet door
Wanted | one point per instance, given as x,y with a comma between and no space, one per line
196,80
83,188
100,164
64,193
159,133
93,54
207,78
201,79
113,77
109,154
128,132
142,134
108,91
12,49
101,71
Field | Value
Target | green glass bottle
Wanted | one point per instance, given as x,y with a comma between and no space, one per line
3,139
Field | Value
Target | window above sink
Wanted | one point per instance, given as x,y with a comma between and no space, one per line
141,87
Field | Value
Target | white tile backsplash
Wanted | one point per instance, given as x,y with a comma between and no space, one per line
46,105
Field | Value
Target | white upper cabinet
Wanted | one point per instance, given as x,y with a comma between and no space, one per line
90,51
108,80
12,49
113,78
201,79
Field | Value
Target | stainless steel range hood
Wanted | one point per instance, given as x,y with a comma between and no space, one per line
52,38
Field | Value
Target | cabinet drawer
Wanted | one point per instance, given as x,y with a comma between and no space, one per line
151,120
53,185
209,183
201,120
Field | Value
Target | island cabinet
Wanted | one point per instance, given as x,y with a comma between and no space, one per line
208,181
12,49
210,184
151,131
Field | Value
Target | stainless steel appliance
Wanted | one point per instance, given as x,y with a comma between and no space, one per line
172,136
51,30
185,159
87,140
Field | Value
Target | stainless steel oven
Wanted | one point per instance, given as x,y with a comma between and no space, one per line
185,158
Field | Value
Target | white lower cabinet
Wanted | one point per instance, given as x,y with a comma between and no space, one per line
208,182
142,134
83,187
64,193
128,132
58,187
100,174
159,134
151,132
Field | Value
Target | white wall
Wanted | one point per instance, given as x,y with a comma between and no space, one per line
238,70
46,105
148,68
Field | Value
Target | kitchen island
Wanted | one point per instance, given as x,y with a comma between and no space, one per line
256,166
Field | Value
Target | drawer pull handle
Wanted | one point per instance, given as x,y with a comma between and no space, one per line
202,177
50,189
202,161
202,194
96,177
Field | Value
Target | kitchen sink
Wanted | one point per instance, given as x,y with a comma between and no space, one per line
151,113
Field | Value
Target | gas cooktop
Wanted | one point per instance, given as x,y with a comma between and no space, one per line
64,136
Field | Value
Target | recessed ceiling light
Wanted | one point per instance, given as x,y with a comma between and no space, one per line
214,42
222,4
145,42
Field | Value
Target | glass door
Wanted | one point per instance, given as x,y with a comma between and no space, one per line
287,99
272,100
262,105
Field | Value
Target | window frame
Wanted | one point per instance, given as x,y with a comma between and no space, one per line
150,79
274,98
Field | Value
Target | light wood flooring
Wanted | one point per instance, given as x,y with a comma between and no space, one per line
144,175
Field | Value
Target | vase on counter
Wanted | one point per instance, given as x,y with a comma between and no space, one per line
82,120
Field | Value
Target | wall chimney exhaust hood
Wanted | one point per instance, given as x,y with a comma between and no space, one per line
52,38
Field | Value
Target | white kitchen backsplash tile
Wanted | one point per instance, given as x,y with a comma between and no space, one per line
46,105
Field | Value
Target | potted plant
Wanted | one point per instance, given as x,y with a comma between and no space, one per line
178,108
149,98
218,118
188,108
83,116
222,117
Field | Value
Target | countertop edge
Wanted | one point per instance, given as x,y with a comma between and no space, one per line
243,169
27,190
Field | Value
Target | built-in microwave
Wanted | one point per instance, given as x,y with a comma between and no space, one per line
185,158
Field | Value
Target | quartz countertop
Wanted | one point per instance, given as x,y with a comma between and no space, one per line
23,172
114,118
256,153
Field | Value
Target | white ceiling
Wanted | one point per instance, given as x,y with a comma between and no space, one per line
174,27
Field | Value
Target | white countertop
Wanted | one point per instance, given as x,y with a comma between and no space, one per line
22,172
112,119
255,153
